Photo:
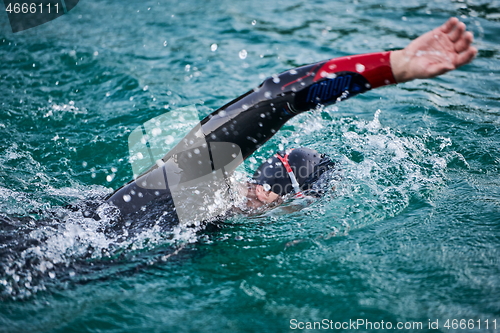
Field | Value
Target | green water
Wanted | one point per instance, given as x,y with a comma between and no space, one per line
411,233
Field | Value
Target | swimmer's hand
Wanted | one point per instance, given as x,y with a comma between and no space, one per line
434,53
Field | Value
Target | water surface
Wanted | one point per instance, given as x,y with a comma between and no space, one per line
411,233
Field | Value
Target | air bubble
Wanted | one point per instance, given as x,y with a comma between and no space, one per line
243,54
127,198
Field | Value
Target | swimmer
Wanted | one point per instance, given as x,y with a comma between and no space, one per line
211,151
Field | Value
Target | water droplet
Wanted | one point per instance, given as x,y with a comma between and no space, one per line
360,68
267,94
127,198
146,87
243,54
213,47
156,131
169,139
254,22
276,79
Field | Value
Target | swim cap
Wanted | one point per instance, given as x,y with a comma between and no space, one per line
303,165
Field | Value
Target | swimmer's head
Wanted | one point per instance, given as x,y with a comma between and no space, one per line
290,171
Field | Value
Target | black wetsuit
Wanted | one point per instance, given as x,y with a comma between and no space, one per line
232,133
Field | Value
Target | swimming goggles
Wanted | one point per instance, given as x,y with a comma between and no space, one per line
288,168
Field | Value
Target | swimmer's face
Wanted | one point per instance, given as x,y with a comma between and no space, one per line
266,196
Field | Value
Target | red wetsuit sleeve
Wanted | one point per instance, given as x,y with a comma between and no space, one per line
374,67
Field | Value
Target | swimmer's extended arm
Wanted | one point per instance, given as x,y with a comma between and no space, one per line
434,53
253,118
247,122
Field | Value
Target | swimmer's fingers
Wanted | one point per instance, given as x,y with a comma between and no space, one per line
449,25
453,28
464,42
457,32
461,40
466,57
